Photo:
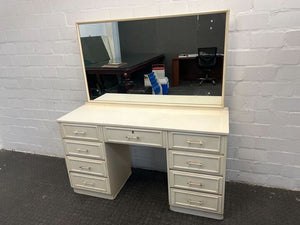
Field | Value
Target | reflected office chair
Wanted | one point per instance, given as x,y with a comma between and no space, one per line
207,58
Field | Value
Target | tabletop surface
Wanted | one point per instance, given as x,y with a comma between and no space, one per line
202,120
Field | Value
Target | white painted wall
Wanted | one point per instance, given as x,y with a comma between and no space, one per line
41,78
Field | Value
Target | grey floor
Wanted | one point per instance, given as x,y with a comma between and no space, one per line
194,88
35,190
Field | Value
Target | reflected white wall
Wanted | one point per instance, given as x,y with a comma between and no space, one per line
110,36
92,30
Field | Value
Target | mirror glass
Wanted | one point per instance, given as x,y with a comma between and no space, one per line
173,56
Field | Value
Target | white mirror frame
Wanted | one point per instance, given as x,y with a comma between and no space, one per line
167,100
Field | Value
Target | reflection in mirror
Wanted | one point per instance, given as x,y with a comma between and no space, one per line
185,54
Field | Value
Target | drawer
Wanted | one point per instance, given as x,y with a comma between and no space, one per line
196,200
134,136
84,149
87,132
89,166
91,183
196,182
208,143
196,162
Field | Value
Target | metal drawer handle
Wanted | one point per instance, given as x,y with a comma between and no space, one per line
85,167
132,137
79,132
194,142
190,163
82,150
194,184
88,183
193,202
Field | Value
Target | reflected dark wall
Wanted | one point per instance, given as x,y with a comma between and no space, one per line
138,37
172,36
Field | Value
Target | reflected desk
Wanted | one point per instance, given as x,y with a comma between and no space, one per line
186,68
96,139
131,64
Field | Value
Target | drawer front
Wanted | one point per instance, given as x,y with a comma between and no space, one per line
208,143
87,132
196,162
91,183
196,200
196,182
134,136
84,149
88,166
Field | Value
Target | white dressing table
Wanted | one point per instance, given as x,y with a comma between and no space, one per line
191,125
96,140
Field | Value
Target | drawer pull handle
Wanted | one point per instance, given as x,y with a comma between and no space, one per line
88,183
194,142
85,167
190,163
79,132
132,137
82,150
193,202
194,184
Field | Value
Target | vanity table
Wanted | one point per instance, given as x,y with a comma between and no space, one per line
191,129
96,139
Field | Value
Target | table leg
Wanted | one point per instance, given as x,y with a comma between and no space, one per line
127,81
175,72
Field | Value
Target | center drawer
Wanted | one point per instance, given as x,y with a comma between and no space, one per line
196,162
89,166
134,136
92,183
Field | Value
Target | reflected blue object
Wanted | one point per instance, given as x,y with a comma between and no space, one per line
154,83
165,89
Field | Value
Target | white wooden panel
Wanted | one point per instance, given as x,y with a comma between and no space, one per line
84,149
134,136
92,183
196,200
196,182
193,141
87,132
196,162
199,120
208,101
88,166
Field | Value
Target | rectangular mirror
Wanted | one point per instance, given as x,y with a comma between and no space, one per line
176,59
